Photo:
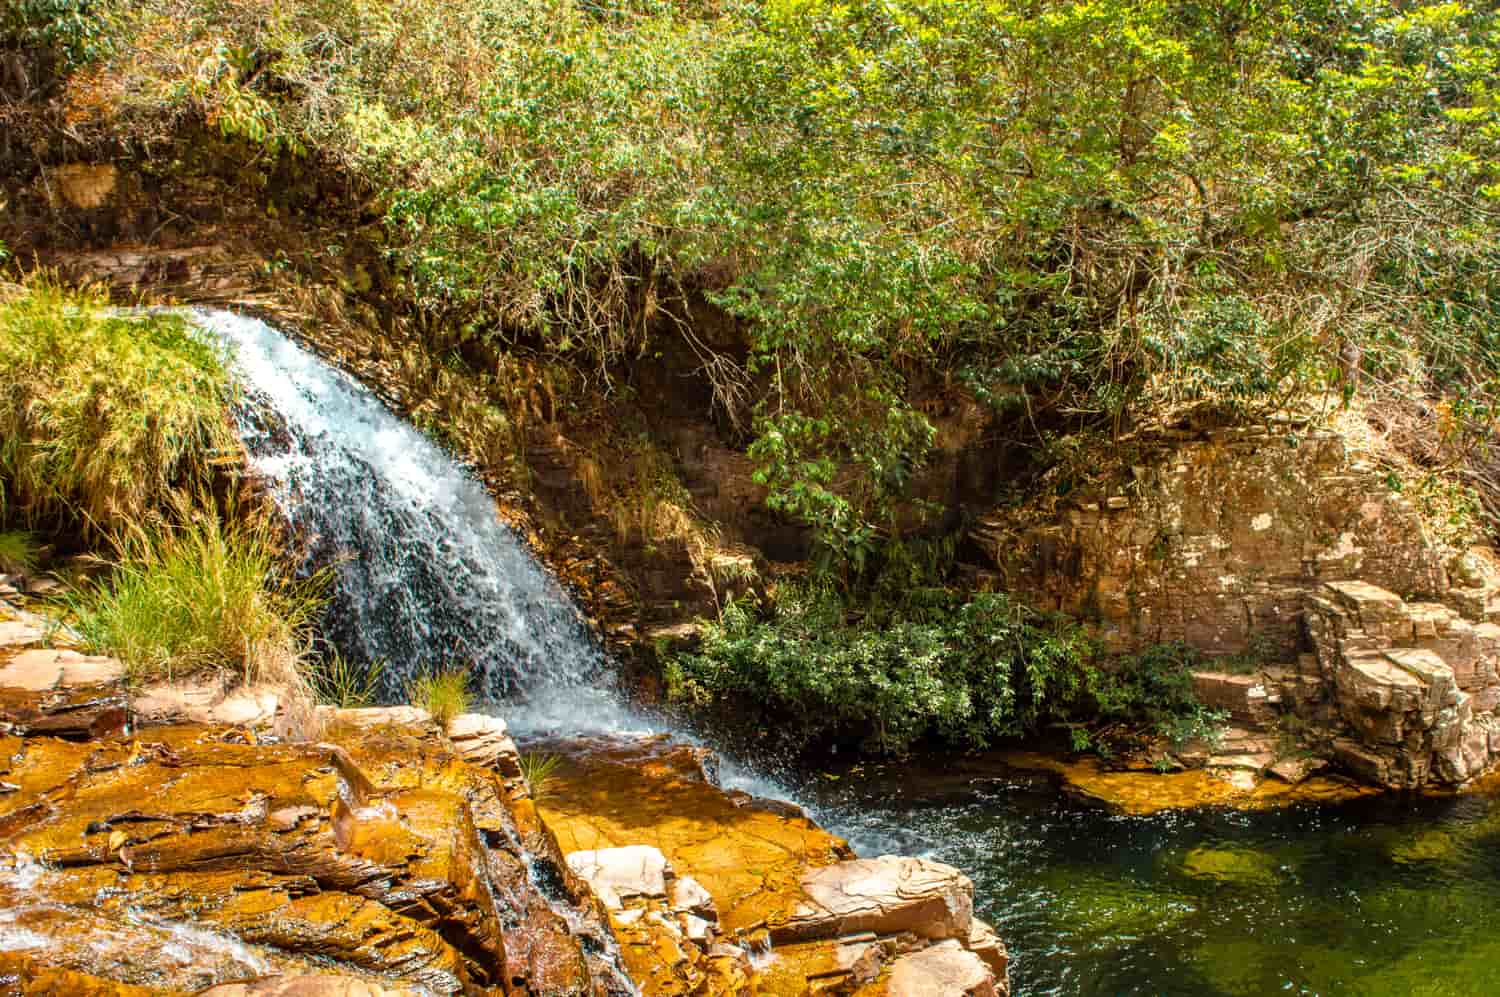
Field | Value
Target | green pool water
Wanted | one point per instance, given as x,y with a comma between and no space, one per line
1391,896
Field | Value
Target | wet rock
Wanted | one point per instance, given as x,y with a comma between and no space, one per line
309,986
758,868
378,858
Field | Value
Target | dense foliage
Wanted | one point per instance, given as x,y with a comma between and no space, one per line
1082,211
932,665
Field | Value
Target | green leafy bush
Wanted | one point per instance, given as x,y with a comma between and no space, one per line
939,665
1087,214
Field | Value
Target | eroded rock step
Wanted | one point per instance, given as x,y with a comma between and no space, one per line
717,892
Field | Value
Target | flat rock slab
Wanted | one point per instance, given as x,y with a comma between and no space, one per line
20,633
615,874
943,970
207,702
887,895
44,669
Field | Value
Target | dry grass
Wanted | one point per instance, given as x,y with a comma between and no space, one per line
104,415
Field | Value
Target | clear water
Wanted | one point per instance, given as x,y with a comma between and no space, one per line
1375,898
1379,897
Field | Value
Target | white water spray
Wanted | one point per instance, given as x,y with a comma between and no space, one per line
427,574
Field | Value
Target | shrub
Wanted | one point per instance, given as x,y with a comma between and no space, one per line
105,416
444,694
962,670
200,596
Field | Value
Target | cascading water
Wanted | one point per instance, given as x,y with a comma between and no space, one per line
427,574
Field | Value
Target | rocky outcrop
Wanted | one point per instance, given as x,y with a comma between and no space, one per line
171,852
169,858
1216,538
695,880
1409,689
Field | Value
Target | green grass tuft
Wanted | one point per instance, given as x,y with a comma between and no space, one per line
443,694
336,681
105,416
200,597
18,552
537,770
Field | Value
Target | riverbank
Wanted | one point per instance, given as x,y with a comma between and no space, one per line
373,844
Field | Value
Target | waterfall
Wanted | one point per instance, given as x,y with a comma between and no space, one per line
427,575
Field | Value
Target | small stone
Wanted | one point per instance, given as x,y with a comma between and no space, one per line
689,896
616,874
696,930
1294,770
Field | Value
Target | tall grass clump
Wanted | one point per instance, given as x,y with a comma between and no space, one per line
200,596
444,694
104,415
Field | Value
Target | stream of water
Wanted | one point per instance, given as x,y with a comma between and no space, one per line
1373,898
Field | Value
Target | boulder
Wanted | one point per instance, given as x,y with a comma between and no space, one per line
483,740
888,895
946,969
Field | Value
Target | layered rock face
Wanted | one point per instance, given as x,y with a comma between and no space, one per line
1415,683
1218,539
1371,643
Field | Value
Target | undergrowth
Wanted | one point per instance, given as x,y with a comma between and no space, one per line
914,660
18,552
200,596
337,681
